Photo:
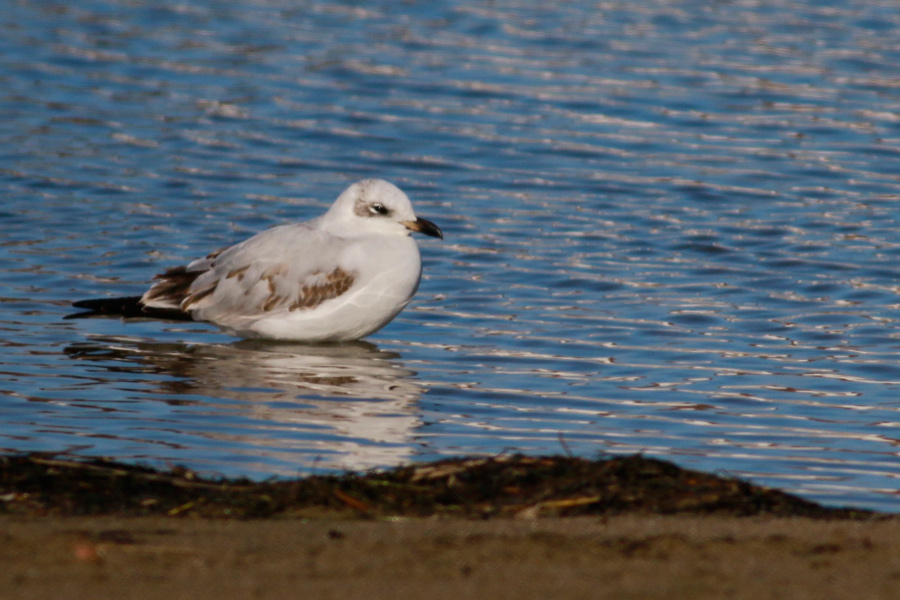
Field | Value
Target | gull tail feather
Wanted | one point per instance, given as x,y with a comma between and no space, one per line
128,307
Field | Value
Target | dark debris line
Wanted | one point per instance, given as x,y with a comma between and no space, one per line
509,485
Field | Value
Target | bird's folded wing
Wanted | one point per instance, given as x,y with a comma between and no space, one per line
278,270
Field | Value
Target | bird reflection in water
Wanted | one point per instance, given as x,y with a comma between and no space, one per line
338,406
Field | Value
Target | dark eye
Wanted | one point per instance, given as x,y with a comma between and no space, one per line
378,209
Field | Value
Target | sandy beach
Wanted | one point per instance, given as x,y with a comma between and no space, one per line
498,527
585,557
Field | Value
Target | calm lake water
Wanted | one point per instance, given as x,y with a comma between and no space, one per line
672,227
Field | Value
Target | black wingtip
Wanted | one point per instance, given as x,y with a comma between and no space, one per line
129,307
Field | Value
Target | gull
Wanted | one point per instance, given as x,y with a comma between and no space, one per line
336,278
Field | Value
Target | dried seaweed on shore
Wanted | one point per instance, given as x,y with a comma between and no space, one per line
508,485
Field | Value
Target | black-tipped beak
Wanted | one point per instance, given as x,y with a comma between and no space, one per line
424,226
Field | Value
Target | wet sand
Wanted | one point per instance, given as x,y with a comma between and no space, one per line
502,527
622,557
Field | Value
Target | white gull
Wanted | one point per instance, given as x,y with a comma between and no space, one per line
338,277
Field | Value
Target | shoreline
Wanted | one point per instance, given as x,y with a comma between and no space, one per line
502,527
473,487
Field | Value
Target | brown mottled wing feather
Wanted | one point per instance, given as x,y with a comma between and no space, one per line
174,285
174,288
311,295
335,284
257,277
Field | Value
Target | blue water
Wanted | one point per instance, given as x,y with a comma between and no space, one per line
671,228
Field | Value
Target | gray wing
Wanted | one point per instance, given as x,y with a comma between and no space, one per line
287,268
